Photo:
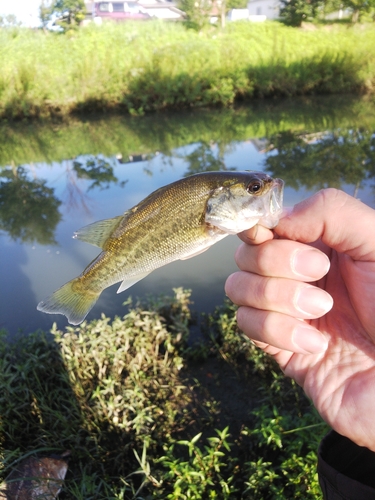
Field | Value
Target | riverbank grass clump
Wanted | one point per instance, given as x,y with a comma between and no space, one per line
141,67
146,415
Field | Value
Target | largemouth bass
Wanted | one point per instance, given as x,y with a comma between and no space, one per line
178,221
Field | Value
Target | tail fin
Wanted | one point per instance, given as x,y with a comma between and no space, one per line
75,305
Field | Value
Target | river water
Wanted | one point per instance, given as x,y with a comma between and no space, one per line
56,178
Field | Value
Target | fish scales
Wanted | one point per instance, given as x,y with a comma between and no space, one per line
175,222
138,234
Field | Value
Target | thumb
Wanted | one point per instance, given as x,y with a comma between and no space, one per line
337,219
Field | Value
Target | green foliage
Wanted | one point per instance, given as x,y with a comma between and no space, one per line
236,4
197,13
45,12
124,398
9,21
141,67
359,8
70,13
202,475
294,12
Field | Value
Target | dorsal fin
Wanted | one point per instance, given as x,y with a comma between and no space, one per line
98,233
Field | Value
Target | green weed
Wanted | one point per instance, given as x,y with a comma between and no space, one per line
144,418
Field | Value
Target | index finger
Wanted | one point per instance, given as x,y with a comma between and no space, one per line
256,235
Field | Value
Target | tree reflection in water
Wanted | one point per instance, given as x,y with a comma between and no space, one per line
326,159
99,170
29,210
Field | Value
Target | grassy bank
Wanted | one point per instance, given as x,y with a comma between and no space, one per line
150,66
145,415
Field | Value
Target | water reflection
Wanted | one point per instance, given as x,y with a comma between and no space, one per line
317,160
29,210
206,157
73,174
99,170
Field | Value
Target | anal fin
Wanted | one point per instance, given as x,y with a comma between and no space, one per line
128,282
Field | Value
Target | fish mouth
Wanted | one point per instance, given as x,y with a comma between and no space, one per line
276,197
273,205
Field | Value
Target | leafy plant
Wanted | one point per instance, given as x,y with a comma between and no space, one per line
141,419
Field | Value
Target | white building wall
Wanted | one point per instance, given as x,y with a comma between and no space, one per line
268,8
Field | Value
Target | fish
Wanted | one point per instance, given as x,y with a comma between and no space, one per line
177,221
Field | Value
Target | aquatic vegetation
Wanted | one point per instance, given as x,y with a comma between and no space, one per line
140,67
146,414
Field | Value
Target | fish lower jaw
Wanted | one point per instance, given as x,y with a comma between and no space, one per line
236,226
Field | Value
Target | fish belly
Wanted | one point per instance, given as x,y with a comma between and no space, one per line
133,261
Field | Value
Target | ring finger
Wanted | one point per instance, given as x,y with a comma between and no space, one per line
291,297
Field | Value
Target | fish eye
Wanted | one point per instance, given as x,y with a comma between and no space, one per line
254,187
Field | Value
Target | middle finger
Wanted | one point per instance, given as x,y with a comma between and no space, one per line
284,259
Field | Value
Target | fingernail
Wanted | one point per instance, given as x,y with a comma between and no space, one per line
308,340
310,264
313,301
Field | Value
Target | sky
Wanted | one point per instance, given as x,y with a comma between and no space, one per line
26,11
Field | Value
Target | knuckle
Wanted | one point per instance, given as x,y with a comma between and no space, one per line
264,292
263,258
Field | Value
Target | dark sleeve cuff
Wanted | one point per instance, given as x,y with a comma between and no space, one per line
346,470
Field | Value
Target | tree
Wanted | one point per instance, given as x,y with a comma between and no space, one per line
197,12
45,12
65,13
294,12
9,20
359,7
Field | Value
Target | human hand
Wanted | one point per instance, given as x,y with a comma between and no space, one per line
323,250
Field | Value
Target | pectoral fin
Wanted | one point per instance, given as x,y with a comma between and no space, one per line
128,282
98,233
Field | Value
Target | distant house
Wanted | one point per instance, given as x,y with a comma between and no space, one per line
267,9
138,9
270,9
162,9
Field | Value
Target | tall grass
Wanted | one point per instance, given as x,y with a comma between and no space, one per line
139,67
